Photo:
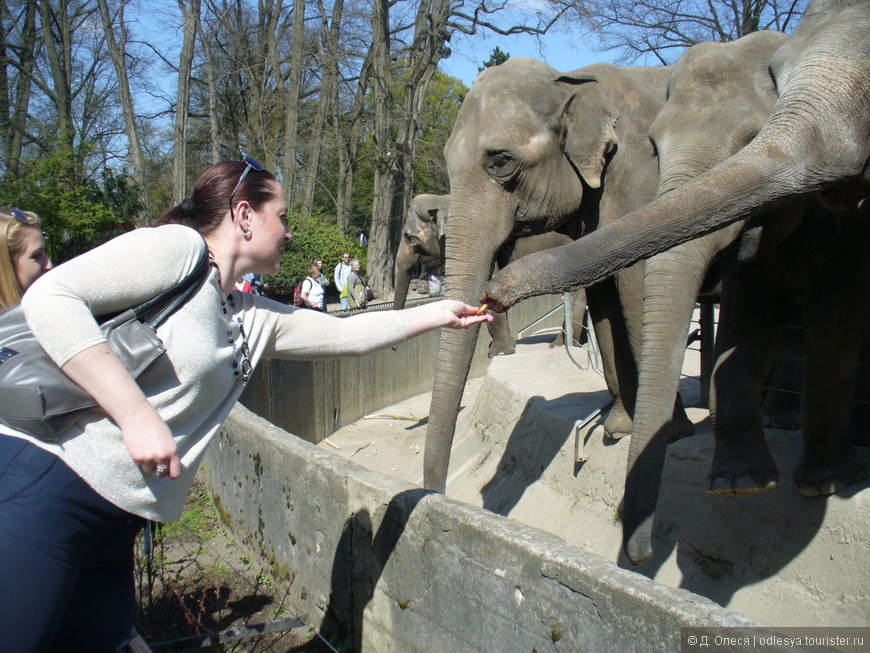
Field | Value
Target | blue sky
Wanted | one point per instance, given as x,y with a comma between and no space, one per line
563,50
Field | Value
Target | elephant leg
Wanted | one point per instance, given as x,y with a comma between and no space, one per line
782,400
749,318
503,342
836,319
861,409
617,359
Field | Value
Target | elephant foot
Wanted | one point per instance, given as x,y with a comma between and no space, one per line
501,348
822,473
781,411
618,423
745,473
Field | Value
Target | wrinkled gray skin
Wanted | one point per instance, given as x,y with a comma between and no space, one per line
825,264
503,342
423,245
719,96
534,150
422,242
816,139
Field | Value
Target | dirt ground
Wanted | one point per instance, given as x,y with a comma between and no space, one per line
198,591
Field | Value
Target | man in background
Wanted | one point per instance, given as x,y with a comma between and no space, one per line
342,272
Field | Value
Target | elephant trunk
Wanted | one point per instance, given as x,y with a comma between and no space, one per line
805,146
673,280
454,362
405,260
468,265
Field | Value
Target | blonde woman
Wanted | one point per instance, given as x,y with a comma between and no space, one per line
22,255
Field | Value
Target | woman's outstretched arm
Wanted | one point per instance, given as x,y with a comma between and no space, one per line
445,313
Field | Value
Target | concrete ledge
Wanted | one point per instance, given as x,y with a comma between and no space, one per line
379,565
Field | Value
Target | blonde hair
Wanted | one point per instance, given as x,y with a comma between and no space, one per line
12,225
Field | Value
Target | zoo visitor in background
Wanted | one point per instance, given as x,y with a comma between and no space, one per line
342,273
70,510
323,280
312,291
22,255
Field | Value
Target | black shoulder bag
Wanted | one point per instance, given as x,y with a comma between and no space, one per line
36,397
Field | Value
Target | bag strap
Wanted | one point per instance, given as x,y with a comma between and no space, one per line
177,296
157,309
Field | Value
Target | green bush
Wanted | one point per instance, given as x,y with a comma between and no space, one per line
76,215
314,237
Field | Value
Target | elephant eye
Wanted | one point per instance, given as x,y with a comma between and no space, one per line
500,164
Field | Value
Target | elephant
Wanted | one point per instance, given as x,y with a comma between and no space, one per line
422,242
719,96
535,150
815,141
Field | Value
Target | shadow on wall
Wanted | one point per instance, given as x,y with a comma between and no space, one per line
725,543
720,544
532,447
359,561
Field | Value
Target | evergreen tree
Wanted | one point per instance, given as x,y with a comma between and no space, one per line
496,57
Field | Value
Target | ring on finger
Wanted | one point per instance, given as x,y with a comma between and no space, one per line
161,469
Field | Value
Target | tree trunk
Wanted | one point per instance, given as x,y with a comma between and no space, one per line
386,168
394,181
347,132
214,131
190,11
57,41
14,113
346,166
118,52
328,93
291,105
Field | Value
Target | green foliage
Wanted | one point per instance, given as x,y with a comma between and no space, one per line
76,215
317,236
496,57
440,108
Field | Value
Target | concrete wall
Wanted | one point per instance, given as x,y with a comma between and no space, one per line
340,391
378,565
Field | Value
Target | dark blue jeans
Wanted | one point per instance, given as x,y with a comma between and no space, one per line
66,558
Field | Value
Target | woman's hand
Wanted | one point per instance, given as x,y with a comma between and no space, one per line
445,313
461,315
99,372
150,442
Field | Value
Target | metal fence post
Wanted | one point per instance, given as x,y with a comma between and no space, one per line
707,340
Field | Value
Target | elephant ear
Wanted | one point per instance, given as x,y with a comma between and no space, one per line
589,134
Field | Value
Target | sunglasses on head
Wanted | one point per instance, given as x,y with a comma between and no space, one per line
250,164
18,214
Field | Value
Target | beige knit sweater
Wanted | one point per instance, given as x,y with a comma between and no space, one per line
192,386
